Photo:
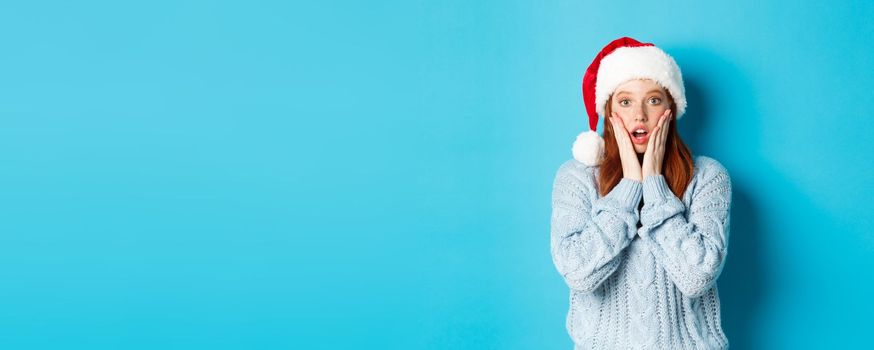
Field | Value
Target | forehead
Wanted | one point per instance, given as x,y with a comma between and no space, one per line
639,87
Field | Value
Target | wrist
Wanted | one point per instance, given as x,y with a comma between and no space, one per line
656,189
638,179
650,173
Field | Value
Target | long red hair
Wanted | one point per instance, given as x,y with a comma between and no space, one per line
677,166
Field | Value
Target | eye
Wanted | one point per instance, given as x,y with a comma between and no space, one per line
655,100
624,102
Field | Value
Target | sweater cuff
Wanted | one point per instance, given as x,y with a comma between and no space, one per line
655,189
627,192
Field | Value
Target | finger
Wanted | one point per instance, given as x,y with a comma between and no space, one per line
654,139
667,127
618,121
664,134
623,129
650,153
620,134
662,118
621,139
618,127
656,132
655,135
615,129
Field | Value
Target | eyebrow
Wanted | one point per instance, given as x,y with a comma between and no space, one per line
647,93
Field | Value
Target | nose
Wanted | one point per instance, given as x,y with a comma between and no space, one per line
640,116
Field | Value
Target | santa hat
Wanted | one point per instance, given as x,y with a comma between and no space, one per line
622,60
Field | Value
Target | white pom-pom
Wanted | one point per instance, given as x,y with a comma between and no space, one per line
589,148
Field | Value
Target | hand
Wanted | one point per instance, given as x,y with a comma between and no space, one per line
630,164
654,157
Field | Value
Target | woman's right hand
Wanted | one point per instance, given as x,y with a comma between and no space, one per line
630,165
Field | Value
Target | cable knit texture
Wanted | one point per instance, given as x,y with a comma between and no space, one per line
642,277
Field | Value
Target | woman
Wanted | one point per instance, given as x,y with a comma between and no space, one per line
639,228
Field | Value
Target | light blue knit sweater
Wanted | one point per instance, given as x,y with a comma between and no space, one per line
642,278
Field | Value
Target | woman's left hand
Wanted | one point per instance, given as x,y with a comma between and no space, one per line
655,148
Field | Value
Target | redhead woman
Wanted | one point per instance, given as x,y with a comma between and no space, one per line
639,226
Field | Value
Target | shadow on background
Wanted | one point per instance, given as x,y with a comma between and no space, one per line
742,282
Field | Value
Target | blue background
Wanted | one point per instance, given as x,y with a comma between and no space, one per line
335,174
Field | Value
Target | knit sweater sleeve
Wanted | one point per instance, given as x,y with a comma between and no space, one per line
588,233
691,244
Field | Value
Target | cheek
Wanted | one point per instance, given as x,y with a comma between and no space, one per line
626,117
657,111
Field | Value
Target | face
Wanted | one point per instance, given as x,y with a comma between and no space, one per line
640,103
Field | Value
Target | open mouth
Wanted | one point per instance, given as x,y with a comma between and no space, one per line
639,136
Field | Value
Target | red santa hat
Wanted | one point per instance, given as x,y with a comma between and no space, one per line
622,60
